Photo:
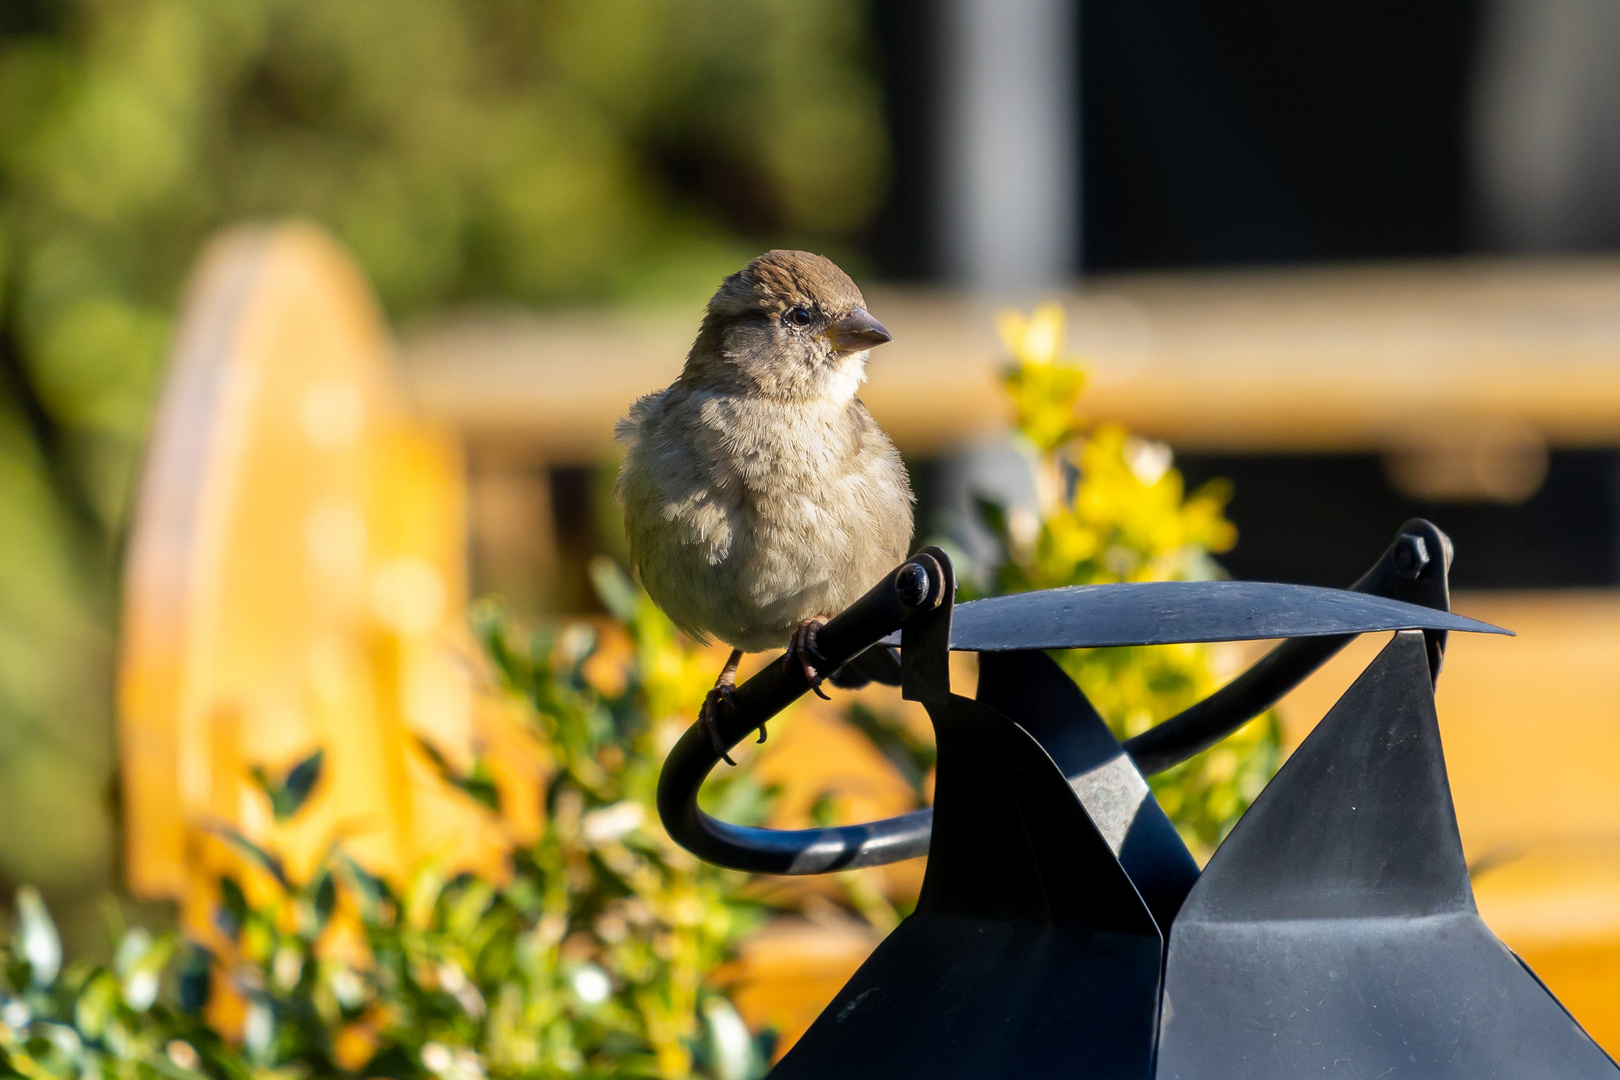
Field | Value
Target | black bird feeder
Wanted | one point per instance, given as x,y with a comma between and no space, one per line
1064,930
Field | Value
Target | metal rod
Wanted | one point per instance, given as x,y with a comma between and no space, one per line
804,851
1413,569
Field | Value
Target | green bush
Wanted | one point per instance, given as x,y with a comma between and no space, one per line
593,959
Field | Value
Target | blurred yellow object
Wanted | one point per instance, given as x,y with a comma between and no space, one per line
296,582
1558,906
789,971
1530,743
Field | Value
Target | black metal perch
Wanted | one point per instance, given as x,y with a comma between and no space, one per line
1064,930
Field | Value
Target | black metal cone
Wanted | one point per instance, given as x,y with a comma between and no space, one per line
1029,685
1030,954
1334,932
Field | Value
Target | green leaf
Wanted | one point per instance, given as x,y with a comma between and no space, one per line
193,978
254,853
481,789
36,939
731,1049
133,948
740,797
371,892
140,963
288,795
824,810
234,908
617,592
440,765
324,902
477,785
468,907
96,1004
422,896
993,515
489,623
301,781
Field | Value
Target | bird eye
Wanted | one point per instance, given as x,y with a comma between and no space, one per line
799,316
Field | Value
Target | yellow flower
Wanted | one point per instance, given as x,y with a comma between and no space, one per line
1043,384
1113,508
1037,339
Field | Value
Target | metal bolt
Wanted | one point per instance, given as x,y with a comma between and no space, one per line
912,585
1411,555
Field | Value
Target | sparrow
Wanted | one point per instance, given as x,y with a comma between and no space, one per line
760,497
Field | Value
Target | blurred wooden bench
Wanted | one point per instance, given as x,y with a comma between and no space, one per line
1361,357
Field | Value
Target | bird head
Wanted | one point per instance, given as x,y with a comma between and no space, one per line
789,325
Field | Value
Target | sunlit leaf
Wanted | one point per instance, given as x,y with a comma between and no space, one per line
614,589
254,853
288,795
36,938
370,891
477,785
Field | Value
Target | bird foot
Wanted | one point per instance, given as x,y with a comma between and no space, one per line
802,651
709,715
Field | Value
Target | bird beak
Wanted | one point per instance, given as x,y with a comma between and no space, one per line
857,331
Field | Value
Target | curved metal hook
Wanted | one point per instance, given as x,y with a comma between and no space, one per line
884,609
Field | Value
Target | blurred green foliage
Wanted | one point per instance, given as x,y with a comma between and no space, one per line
1112,508
594,959
522,150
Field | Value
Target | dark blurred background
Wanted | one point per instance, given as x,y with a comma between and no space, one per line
1269,132
1224,133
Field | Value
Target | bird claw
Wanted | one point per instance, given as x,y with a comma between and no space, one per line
709,716
723,691
802,650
